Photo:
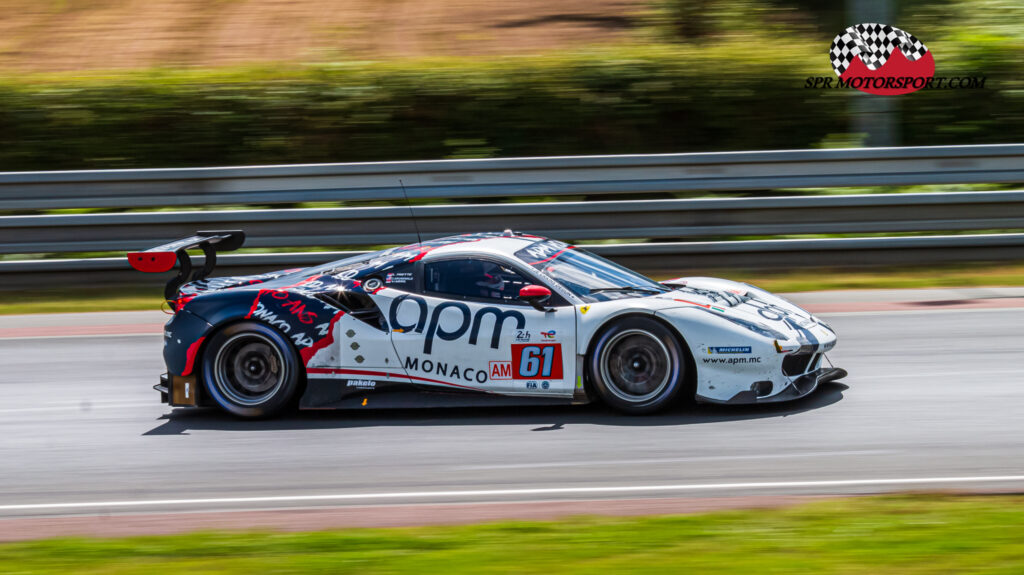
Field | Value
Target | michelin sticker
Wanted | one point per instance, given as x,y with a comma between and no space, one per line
734,349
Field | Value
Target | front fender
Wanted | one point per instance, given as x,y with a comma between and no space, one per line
729,358
591,318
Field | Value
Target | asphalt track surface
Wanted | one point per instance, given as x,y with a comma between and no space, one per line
934,400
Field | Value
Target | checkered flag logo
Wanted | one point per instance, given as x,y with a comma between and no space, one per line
874,44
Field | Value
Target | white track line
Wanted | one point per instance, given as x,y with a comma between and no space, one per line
516,492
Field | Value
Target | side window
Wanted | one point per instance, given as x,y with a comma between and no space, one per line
401,277
473,279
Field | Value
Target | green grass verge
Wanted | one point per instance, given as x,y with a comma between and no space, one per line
960,275
950,276
918,534
636,96
62,300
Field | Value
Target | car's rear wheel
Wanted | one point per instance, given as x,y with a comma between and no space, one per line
637,365
251,370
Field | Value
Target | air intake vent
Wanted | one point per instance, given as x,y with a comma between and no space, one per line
796,363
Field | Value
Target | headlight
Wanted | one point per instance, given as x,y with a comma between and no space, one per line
756,327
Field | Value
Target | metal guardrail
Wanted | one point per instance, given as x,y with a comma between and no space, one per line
655,258
667,220
571,221
573,175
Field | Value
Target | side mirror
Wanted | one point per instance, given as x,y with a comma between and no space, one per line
537,296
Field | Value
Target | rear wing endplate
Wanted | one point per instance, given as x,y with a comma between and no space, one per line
162,258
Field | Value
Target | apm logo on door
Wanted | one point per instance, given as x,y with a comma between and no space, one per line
428,322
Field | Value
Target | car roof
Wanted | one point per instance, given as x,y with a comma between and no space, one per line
498,244
503,244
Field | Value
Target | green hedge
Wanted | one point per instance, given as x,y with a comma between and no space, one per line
662,98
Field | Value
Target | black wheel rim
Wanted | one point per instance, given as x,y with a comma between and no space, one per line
249,369
636,365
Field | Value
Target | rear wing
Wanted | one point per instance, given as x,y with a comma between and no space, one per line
162,258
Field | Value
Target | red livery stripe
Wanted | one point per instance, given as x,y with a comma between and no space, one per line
323,342
190,356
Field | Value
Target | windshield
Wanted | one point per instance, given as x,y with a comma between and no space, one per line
589,276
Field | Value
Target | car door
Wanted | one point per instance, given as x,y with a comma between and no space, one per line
467,328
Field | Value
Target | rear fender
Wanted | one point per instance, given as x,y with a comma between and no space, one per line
183,339
218,308
304,320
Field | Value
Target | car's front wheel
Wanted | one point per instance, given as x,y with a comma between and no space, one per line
251,370
637,365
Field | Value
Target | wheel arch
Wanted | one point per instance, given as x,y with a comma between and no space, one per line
689,374
200,368
223,309
227,322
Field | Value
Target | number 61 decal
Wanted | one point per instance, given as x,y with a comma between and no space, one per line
537,360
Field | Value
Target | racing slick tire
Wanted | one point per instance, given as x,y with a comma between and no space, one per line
252,371
637,365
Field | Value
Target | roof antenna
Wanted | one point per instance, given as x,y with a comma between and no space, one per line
412,214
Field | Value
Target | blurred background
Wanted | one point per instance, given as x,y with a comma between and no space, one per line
130,84
139,83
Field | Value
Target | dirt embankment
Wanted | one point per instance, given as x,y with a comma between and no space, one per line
68,35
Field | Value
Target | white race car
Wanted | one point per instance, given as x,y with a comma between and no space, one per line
475,319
